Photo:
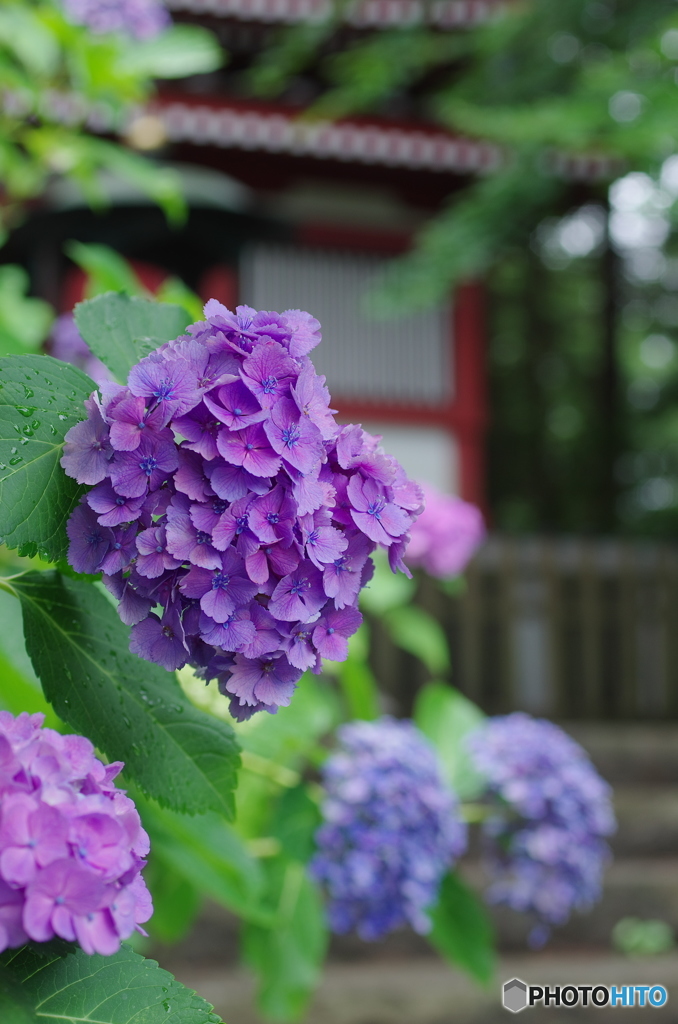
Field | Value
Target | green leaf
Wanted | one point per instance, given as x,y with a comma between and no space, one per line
209,854
122,329
417,632
296,818
386,589
106,269
180,51
15,1005
131,709
446,717
18,694
174,290
60,984
288,737
359,688
288,957
24,321
22,30
462,931
176,901
40,400
356,679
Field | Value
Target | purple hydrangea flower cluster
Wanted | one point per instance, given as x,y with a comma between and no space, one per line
391,829
446,535
140,19
71,843
230,515
552,810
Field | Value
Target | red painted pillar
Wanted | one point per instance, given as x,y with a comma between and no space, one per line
471,401
220,282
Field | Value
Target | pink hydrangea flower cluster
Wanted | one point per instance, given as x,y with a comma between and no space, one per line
71,843
446,535
231,516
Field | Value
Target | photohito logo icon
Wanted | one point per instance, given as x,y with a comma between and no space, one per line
515,995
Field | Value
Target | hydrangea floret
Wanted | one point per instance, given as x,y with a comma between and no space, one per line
552,810
446,535
71,844
140,19
391,829
232,518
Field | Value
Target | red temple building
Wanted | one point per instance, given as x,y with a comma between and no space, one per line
292,213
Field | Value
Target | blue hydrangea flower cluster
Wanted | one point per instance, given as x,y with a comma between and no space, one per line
552,811
391,829
140,19
232,518
71,843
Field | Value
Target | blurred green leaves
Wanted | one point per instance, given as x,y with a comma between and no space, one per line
513,81
446,717
108,271
57,75
462,931
24,321
179,51
288,957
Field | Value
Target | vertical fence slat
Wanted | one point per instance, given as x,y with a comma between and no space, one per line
569,627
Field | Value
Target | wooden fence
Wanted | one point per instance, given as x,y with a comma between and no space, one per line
569,628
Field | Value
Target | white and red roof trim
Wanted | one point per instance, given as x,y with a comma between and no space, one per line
237,125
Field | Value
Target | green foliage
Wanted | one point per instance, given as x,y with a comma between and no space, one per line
358,684
56,982
417,632
20,688
386,589
539,79
636,937
290,737
43,55
296,818
24,321
547,458
175,53
133,711
462,931
208,854
288,957
446,717
40,400
122,329
176,901
108,271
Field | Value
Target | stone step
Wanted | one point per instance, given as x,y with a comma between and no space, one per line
628,752
643,887
647,819
427,991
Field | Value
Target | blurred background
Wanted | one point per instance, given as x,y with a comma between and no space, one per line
478,201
